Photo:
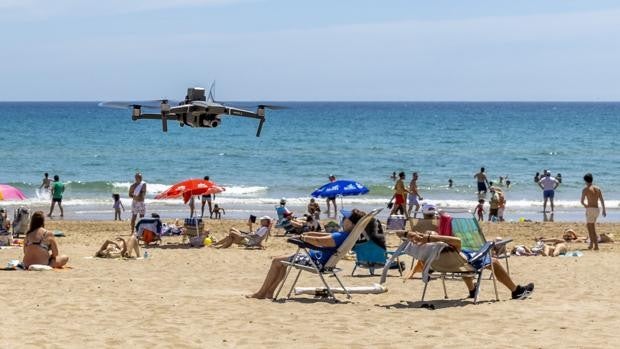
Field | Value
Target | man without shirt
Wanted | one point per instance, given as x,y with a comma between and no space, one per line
414,195
593,194
482,181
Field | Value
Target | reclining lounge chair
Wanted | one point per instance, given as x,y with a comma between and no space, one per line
330,267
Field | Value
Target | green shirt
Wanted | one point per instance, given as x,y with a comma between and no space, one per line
57,189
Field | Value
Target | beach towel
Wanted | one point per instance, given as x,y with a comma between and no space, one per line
427,253
445,225
138,189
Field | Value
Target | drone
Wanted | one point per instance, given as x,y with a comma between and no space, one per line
195,111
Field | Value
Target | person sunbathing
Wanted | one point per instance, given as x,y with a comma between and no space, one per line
518,291
111,249
235,236
329,241
291,225
40,246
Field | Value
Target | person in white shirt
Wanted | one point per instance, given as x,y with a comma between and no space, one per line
238,237
548,184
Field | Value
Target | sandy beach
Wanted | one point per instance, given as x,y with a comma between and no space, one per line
182,297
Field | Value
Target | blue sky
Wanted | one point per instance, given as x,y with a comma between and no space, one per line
314,50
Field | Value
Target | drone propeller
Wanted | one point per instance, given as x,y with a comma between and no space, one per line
153,104
272,107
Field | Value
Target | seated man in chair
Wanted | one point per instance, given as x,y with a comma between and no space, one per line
238,237
330,243
518,291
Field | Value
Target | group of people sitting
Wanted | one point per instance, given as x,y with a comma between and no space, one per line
326,244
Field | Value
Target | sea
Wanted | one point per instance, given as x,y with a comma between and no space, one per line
96,152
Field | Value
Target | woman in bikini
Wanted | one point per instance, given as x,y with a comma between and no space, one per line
40,246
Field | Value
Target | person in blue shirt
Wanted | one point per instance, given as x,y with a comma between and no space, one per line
329,242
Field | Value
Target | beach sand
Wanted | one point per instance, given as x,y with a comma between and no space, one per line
180,297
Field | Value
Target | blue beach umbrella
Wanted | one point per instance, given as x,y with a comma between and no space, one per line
340,188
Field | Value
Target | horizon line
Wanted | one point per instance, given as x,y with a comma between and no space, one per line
339,101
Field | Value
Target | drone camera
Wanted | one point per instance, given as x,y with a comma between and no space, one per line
209,121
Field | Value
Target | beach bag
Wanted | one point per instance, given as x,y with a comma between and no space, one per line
197,241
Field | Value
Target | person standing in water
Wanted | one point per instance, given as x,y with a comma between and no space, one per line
58,188
482,181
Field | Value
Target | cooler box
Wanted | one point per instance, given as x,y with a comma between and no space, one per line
396,222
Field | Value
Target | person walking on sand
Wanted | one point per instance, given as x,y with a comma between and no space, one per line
414,195
593,194
399,196
58,188
137,192
548,184
482,181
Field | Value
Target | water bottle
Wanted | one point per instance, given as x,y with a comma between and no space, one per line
146,255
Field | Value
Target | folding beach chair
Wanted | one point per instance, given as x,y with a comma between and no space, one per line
369,255
149,230
370,251
21,221
330,266
472,238
259,242
450,262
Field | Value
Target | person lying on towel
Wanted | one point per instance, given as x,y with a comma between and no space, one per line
111,249
518,291
331,241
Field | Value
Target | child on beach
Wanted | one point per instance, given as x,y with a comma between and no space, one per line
117,206
218,211
314,209
480,210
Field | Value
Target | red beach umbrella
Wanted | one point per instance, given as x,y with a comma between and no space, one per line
190,187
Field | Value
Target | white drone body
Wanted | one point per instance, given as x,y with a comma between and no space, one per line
196,110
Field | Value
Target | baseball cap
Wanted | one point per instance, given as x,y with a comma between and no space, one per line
351,215
428,209
264,217
283,201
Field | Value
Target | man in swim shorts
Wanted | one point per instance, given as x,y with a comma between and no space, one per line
400,193
207,199
548,184
137,192
593,194
414,195
482,181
